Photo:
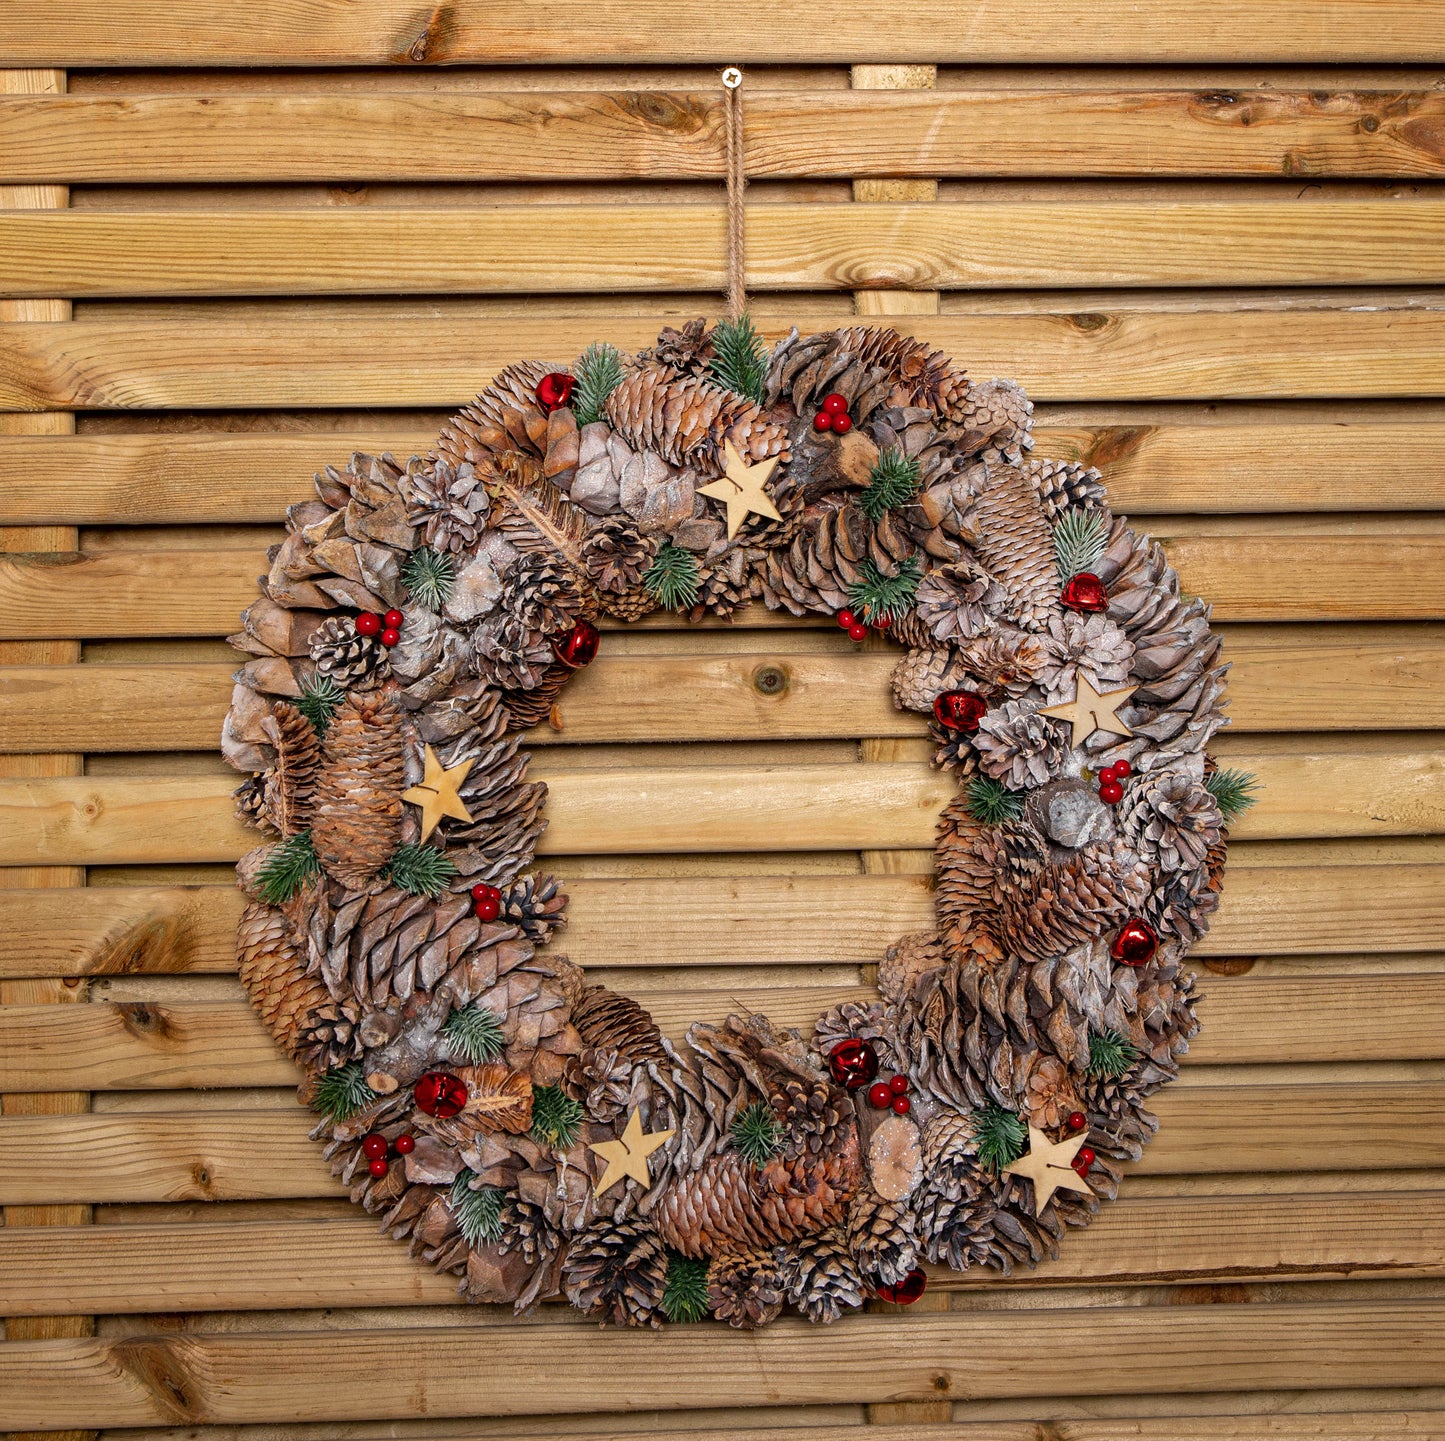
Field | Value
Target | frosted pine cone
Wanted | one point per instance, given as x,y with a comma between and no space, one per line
1004,415
352,661
1089,643
1171,819
957,601
1018,746
745,1289
1004,661
448,501
616,1271
820,1276
602,1079
510,653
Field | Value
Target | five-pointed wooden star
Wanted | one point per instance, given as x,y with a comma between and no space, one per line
1048,1165
1092,710
437,794
741,488
629,1155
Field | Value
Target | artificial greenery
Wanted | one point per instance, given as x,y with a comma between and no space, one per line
740,359
1111,1053
478,1212
992,802
556,1117
684,1293
892,482
319,700
1234,791
757,1134
288,866
341,1093
429,577
1000,1136
1079,541
671,579
599,372
420,870
475,1033
876,596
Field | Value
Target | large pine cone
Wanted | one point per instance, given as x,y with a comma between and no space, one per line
617,1022
617,1271
357,806
819,1276
744,1289
506,416
354,662
1016,546
290,781
449,502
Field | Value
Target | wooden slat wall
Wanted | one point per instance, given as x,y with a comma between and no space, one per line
1210,238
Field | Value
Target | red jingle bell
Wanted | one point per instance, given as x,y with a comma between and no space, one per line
853,1063
1135,944
555,390
907,1291
405,1144
959,710
1084,592
578,646
879,1096
440,1094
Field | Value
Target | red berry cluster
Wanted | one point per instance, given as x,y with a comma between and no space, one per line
488,902
374,1148
855,627
1110,791
387,626
1084,1160
890,1095
834,415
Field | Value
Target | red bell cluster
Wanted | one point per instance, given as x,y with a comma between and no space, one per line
387,626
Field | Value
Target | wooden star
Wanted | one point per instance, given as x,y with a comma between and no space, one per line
1048,1164
741,488
1092,710
437,794
629,1155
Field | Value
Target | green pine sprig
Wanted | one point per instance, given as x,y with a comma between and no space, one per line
475,1033
420,870
672,578
740,359
684,1293
599,372
289,866
478,1212
1111,1053
1000,1135
1234,791
757,1134
319,700
874,595
1079,540
429,577
341,1093
556,1117
892,482
991,802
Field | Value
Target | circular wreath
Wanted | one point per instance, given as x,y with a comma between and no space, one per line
537,1134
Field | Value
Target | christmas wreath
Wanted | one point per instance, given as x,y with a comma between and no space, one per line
536,1134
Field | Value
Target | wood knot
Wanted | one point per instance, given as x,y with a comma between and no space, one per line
770,680
142,1018
1231,965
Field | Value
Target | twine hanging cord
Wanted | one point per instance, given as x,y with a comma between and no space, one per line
732,79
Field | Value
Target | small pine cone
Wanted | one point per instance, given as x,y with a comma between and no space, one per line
1002,413
1051,1093
924,674
527,1231
1120,1124
291,778
528,707
724,588
881,1239
744,1289
1016,546
449,502
1089,643
617,1271
688,351
354,662
1018,746
820,1276
511,654
250,799
618,1023
1171,819
949,1147
958,600
956,1224
357,809
537,905
506,416
953,751
602,1081
851,1020
544,593
1064,485
629,606
1004,661
616,554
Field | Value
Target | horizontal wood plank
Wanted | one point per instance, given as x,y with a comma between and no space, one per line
395,32
657,134
681,247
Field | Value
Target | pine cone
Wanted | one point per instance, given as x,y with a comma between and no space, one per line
543,591
291,778
528,707
617,1271
354,662
959,600
814,573
881,1239
449,502
527,1232
602,1080
1092,644
617,1022
505,417
1120,1125
726,585
688,351
1063,485
1171,820
357,809
744,1289
1001,413
819,1276
1016,545
536,905
1004,661
513,655
1018,746
250,799
1051,1093
616,554
924,674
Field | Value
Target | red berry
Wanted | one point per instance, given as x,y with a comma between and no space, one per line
822,421
842,423
902,1105
373,1146
835,404
857,632
1107,775
879,1096
847,619
898,1084
1084,1159
368,623
390,637
1121,769
378,1167
488,908
883,622
405,1144
1077,1121
393,620
1111,792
